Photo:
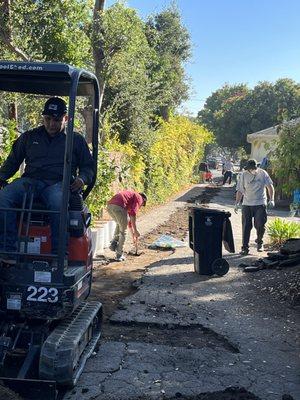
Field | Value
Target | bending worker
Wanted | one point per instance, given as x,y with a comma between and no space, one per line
251,187
43,150
121,207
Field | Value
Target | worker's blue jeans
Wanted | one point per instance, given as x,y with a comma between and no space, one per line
11,196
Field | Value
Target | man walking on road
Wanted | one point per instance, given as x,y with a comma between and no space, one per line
121,206
228,170
251,190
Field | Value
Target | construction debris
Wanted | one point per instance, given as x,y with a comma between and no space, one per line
167,242
288,255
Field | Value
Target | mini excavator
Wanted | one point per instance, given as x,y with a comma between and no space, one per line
48,329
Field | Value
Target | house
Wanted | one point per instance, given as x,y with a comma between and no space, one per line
264,141
262,144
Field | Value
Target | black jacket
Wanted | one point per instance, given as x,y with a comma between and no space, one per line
44,157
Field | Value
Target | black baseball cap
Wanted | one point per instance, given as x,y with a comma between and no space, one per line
251,164
144,197
55,106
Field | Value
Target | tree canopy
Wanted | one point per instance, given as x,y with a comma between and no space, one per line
233,111
171,44
139,64
140,67
46,31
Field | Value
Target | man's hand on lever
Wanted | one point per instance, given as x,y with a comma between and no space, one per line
78,184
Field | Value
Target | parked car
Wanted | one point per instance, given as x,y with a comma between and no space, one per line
212,163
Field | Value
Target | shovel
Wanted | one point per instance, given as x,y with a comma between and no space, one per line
136,252
136,245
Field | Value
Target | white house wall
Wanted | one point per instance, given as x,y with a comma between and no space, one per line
260,148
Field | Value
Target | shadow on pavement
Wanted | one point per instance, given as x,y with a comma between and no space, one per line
194,192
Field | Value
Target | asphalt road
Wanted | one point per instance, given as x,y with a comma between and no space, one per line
209,336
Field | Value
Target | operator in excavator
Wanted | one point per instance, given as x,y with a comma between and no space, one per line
43,150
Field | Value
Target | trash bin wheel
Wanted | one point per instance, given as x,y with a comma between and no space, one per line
220,267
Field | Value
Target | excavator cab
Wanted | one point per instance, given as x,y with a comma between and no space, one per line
47,328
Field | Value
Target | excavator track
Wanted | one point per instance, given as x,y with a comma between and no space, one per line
70,344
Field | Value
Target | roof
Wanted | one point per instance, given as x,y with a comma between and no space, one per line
265,133
44,78
268,133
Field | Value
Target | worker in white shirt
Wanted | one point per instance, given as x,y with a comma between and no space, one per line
251,191
228,171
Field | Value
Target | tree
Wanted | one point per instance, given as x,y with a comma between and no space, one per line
39,30
139,65
7,33
288,95
98,45
234,111
170,41
141,69
125,57
224,115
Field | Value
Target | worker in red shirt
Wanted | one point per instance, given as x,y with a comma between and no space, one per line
123,208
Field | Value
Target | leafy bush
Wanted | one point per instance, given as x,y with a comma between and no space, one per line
130,171
178,147
280,230
286,160
102,189
9,135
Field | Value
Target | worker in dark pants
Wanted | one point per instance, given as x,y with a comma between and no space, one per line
228,171
251,188
123,208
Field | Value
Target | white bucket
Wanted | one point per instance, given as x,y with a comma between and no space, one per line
106,236
100,240
94,241
111,228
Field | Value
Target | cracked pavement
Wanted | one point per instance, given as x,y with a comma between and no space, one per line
256,347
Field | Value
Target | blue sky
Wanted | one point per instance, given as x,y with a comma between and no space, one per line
235,41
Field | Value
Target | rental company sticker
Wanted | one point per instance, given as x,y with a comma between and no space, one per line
42,276
33,246
14,302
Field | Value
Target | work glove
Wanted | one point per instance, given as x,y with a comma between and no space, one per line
237,207
271,204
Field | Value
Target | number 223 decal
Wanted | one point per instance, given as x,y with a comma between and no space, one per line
42,294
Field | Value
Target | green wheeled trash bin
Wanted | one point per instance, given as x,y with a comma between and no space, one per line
208,229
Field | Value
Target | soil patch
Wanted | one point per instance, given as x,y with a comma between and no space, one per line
195,336
231,393
113,281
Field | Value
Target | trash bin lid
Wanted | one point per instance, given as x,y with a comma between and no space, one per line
210,211
227,236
